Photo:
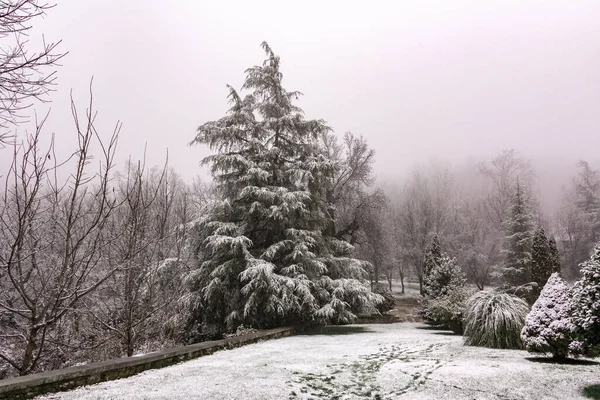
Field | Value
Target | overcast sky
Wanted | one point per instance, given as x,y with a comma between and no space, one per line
419,79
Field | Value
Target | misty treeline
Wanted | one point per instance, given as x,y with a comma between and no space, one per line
116,260
487,216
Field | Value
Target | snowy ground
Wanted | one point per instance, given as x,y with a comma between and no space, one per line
405,360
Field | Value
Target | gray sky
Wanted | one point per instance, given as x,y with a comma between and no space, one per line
420,79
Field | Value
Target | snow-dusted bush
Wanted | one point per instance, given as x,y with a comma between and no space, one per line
389,301
548,325
240,331
586,307
495,320
445,295
447,310
443,276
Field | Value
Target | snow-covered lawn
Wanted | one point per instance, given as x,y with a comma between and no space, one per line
405,360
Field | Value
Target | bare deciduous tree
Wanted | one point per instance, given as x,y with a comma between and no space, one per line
578,220
25,75
400,257
422,210
51,240
348,193
149,225
372,240
503,172
126,301
478,243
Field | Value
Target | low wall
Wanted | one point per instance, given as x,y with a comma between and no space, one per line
378,319
25,387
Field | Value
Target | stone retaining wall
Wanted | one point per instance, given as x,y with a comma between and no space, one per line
378,319
25,387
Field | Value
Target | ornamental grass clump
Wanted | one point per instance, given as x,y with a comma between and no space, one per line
495,320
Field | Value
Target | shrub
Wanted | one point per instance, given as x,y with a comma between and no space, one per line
445,295
494,320
388,302
586,306
447,311
548,326
443,276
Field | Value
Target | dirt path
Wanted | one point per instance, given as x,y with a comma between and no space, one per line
406,308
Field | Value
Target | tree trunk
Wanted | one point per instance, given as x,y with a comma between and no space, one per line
129,339
27,363
129,347
401,277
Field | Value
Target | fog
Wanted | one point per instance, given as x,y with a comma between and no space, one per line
454,82
456,164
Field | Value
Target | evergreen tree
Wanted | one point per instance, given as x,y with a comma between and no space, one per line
586,306
262,260
444,275
554,255
588,201
516,270
433,257
541,262
548,325
443,288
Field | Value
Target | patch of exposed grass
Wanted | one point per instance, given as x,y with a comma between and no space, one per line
567,361
592,392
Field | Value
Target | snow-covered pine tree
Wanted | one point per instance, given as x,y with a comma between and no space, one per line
444,275
541,262
445,295
262,258
554,255
443,287
586,306
548,325
516,270
432,258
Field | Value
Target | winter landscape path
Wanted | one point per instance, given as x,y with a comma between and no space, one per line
405,361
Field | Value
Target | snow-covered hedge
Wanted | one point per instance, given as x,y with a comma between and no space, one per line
548,327
447,311
586,307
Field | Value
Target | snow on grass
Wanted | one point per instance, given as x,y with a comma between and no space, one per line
407,361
